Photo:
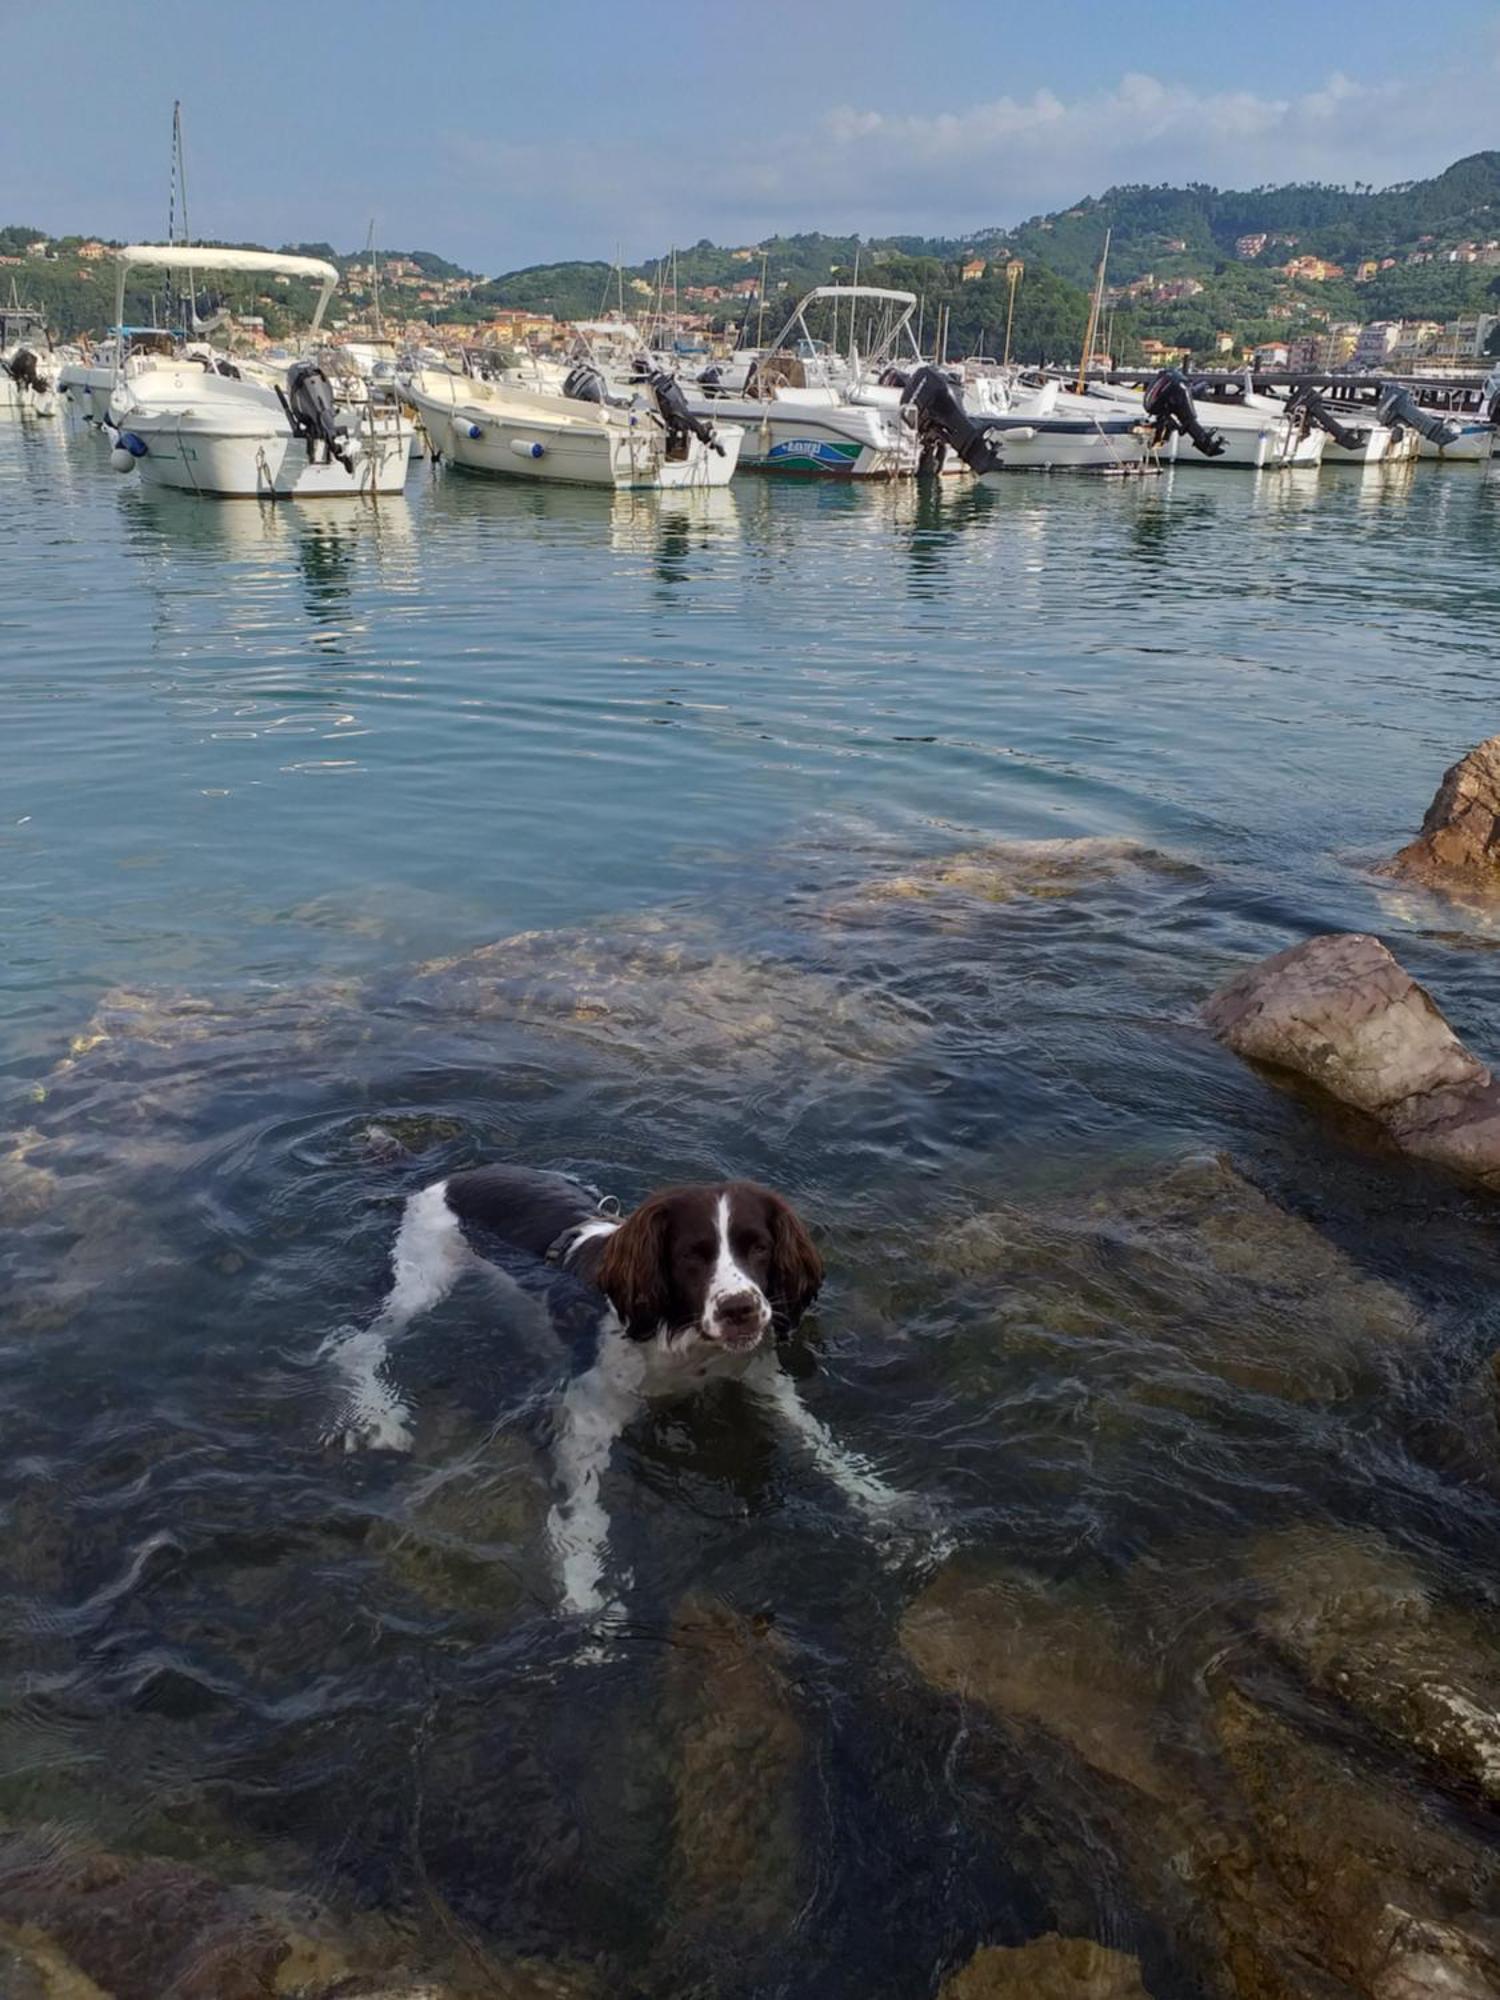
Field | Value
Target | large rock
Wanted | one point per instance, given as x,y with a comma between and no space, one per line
1342,1012
1047,1968
1355,1617
1041,1658
736,1868
1007,871
79,1923
1458,849
1183,1272
1342,1878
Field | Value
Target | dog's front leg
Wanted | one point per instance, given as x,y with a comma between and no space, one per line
852,1475
593,1414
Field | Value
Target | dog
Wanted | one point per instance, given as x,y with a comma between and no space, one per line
697,1285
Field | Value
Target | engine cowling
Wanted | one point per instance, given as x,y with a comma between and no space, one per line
933,404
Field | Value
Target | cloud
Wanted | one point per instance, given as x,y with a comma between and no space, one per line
889,171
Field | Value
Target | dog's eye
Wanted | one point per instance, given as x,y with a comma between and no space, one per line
751,1244
702,1253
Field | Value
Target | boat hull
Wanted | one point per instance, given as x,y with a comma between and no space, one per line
819,443
184,457
1474,445
1382,446
528,435
1072,444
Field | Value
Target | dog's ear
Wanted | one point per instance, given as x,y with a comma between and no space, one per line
633,1270
796,1274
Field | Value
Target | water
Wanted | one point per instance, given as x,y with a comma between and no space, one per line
274,783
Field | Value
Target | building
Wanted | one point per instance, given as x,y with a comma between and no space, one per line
1156,354
975,268
1272,355
1365,271
92,251
1376,343
1314,270
1250,246
1415,338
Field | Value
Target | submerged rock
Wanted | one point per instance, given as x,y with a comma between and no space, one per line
1047,1968
1342,1012
1360,1622
131,1928
1343,1879
736,1867
1458,849
640,987
1037,1656
1190,1264
469,1540
1010,871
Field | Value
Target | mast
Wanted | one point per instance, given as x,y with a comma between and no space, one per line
372,257
179,187
1096,306
760,317
1014,271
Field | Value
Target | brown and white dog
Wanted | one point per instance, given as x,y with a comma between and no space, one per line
695,1286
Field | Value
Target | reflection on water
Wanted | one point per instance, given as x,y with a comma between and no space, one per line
658,840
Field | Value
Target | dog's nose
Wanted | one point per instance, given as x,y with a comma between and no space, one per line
741,1313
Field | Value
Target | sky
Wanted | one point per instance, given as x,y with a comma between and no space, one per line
519,133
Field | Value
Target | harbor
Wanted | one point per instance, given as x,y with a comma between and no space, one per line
749,1129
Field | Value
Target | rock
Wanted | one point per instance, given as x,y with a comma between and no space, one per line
32,1968
129,1928
668,996
1048,1968
1342,1012
1010,871
469,1540
1458,849
736,1868
1361,1624
1201,1268
1040,1657
1344,1879
27,1190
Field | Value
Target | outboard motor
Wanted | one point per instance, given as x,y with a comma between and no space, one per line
308,402
893,378
1169,405
1399,406
1308,404
584,384
930,402
711,381
25,371
680,422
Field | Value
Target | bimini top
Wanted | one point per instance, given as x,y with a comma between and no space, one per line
842,292
206,257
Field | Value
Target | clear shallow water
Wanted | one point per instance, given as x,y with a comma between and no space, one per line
277,781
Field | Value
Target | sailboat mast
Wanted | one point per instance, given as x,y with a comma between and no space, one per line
1095,308
179,187
373,257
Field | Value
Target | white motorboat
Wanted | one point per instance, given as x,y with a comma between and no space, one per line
504,428
1259,433
1367,442
189,427
811,409
1048,428
29,367
1469,442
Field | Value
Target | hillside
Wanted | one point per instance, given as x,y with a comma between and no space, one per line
1187,264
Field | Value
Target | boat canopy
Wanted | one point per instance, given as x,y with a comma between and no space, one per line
858,292
208,257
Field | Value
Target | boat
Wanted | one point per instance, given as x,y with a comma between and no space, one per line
584,438
1046,428
809,408
1259,433
1456,440
29,366
215,432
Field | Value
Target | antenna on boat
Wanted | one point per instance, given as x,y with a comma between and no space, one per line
760,317
1096,306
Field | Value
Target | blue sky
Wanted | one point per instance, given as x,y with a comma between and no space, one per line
508,134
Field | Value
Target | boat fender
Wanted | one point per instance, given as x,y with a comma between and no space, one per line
132,446
527,448
120,459
473,431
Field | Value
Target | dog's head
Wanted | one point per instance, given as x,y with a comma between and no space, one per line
727,1263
